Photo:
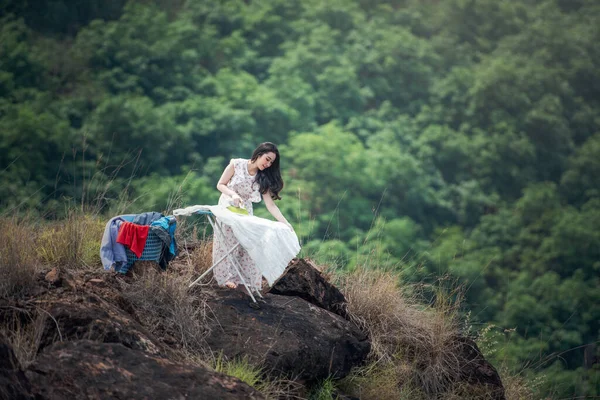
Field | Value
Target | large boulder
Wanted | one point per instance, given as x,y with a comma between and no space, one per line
303,279
476,371
13,383
90,370
288,335
91,317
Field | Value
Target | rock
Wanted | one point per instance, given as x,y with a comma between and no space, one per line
85,369
304,280
13,383
287,335
477,371
93,318
53,277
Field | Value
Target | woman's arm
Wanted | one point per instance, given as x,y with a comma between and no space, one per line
224,180
274,210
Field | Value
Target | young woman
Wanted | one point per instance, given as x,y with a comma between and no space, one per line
241,184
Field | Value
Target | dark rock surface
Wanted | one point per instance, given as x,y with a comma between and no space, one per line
303,279
13,383
90,317
477,371
287,334
90,370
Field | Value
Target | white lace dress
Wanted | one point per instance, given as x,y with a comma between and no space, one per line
243,184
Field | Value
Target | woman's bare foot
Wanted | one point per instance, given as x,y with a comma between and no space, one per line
230,285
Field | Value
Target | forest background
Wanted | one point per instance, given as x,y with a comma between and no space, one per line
456,139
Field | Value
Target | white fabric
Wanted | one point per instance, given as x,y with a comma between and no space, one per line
271,245
186,212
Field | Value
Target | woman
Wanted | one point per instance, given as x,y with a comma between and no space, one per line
241,184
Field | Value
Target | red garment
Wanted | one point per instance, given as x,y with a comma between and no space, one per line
133,236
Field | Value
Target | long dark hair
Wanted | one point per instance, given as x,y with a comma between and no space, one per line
269,179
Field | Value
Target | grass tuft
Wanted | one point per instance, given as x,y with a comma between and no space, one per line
325,390
252,375
239,368
168,310
23,331
201,257
516,387
381,382
73,242
18,264
416,339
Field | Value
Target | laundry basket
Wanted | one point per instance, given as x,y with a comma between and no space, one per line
152,252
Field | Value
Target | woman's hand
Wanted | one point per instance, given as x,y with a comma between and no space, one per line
237,200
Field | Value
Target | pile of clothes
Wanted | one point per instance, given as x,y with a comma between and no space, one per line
131,231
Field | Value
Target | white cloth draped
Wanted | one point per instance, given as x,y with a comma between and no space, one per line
270,244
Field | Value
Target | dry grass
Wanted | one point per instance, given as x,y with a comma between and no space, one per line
468,392
415,339
200,258
18,264
23,331
515,387
73,243
414,353
169,310
195,247
381,382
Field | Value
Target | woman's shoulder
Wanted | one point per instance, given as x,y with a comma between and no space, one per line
235,162
238,163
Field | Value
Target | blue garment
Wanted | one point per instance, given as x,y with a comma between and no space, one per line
165,229
147,218
169,224
173,246
111,252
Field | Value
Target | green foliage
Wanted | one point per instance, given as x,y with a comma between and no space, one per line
325,390
240,369
579,182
